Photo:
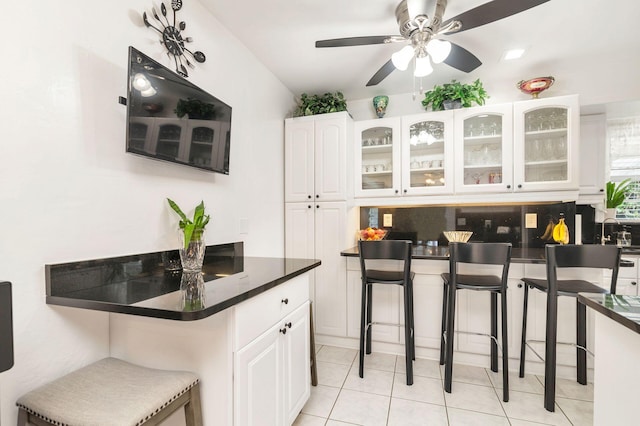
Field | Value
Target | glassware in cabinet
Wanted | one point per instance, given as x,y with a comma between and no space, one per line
427,148
377,154
548,132
484,139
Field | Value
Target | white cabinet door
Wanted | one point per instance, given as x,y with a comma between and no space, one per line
427,153
299,160
258,381
427,307
377,157
331,157
593,142
300,230
296,362
546,142
484,149
330,285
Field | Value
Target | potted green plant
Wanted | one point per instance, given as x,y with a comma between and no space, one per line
195,109
316,104
616,193
193,247
465,95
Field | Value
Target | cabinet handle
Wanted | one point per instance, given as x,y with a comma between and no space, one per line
288,324
309,206
309,196
519,285
285,301
633,283
601,190
397,191
283,330
317,196
508,186
317,206
405,191
519,186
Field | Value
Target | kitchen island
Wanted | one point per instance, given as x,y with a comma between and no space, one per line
247,339
617,354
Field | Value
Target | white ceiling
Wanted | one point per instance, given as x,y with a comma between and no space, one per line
558,34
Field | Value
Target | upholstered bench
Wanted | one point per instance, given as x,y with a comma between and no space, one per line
112,392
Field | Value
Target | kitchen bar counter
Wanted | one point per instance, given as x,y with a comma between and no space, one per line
145,285
518,255
617,354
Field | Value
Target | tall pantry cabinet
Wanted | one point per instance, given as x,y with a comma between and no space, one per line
318,216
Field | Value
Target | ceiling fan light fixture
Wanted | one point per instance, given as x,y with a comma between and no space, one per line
402,57
141,82
438,50
423,67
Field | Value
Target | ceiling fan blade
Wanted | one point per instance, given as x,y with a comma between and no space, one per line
462,59
354,41
491,12
381,74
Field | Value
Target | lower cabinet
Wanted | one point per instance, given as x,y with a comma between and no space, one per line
272,372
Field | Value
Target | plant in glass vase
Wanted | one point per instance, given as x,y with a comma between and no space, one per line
193,247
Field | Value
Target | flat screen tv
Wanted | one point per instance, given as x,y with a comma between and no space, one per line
171,119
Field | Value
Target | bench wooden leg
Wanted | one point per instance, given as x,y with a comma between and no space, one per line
193,408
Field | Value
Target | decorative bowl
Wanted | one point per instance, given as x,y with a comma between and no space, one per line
371,234
536,85
458,236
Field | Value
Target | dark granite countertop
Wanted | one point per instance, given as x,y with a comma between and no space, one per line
624,310
145,285
518,255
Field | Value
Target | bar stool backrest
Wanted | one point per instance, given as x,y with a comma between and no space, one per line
386,249
583,256
480,253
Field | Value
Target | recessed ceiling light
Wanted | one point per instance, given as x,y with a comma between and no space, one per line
512,54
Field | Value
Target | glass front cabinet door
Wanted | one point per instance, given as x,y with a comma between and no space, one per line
377,153
483,151
546,139
427,153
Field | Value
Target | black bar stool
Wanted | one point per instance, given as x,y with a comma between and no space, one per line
476,253
394,250
567,256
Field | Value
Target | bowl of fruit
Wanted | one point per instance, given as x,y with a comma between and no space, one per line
371,234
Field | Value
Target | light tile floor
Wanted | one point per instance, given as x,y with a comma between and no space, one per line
383,398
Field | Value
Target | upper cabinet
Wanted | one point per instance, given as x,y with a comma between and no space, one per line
316,157
546,135
484,149
427,153
593,141
377,157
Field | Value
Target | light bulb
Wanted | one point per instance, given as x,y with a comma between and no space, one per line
423,67
402,57
140,82
438,50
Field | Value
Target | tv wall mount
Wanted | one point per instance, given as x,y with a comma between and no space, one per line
172,37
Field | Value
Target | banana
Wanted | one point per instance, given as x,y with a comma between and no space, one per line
561,232
548,232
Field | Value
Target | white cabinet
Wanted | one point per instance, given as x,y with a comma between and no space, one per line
321,231
377,157
593,155
272,357
484,149
316,157
427,153
546,133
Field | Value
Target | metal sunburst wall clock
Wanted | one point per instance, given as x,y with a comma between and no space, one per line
172,37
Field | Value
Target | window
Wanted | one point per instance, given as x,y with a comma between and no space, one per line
624,154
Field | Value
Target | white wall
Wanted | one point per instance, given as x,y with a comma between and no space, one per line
68,190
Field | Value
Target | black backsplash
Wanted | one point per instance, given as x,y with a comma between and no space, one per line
496,223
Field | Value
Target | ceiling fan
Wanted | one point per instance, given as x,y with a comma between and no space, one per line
421,26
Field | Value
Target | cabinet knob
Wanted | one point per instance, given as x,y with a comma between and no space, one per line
405,191
508,186
519,285
285,301
309,196
317,206
601,190
288,324
283,330
633,283
397,191
519,186
317,196
309,206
